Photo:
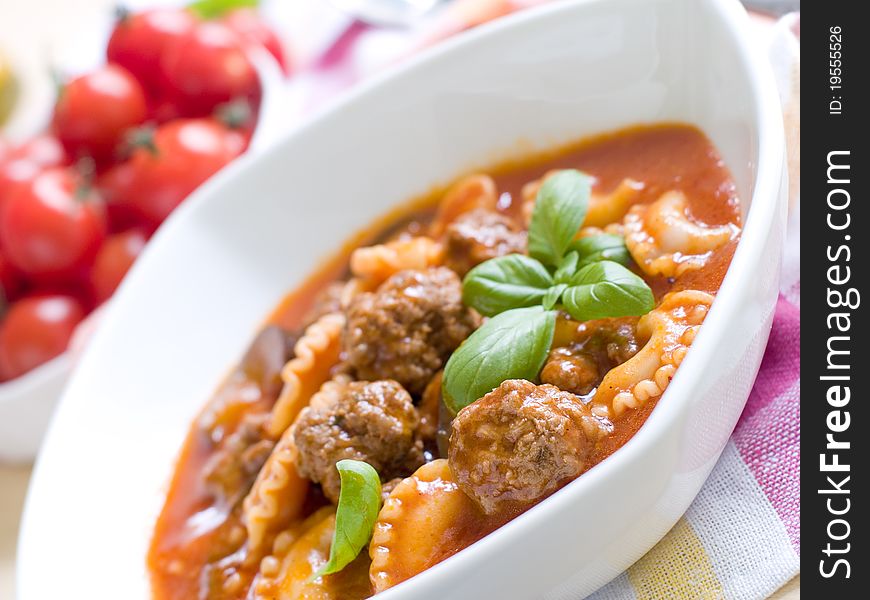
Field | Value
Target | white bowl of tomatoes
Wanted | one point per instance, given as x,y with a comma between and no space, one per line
175,101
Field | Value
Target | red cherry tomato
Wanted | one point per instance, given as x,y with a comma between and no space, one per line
115,187
51,228
95,110
23,163
162,110
206,67
45,150
182,155
35,330
10,281
114,259
248,23
138,41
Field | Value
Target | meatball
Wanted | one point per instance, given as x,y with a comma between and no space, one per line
520,443
621,341
478,236
375,422
596,347
571,370
232,468
407,329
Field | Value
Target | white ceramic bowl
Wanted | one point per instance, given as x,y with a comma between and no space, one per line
222,262
26,404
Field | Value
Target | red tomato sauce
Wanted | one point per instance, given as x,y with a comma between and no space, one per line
186,544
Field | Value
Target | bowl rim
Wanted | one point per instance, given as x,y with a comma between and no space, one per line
760,219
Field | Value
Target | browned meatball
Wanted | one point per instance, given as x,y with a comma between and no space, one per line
407,329
594,348
478,236
520,443
571,370
620,340
232,468
375,422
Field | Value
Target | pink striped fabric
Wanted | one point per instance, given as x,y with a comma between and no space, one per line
768,433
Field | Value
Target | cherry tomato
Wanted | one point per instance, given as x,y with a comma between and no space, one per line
10,281
51,228
181,155
248,23
115,186
95,110
162,110
138,41
206,67
238,116
114,259
23,163
35,330
44,150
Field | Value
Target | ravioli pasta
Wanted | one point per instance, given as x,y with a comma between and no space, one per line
665,240
417,515
669,330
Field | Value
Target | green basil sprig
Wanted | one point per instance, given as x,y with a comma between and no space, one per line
560,208
212,9
506,282
511,345
606,289
586,277
605,246
358,504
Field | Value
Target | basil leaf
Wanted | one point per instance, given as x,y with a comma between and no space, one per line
212,9
506,282
567,267
512,345
553,295
560,208
605,246
358,504
607,289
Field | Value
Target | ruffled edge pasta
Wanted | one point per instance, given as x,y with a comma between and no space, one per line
273,569
276,497
316,352
376,264
279,491
413,521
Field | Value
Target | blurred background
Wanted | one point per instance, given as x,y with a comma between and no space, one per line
239,73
